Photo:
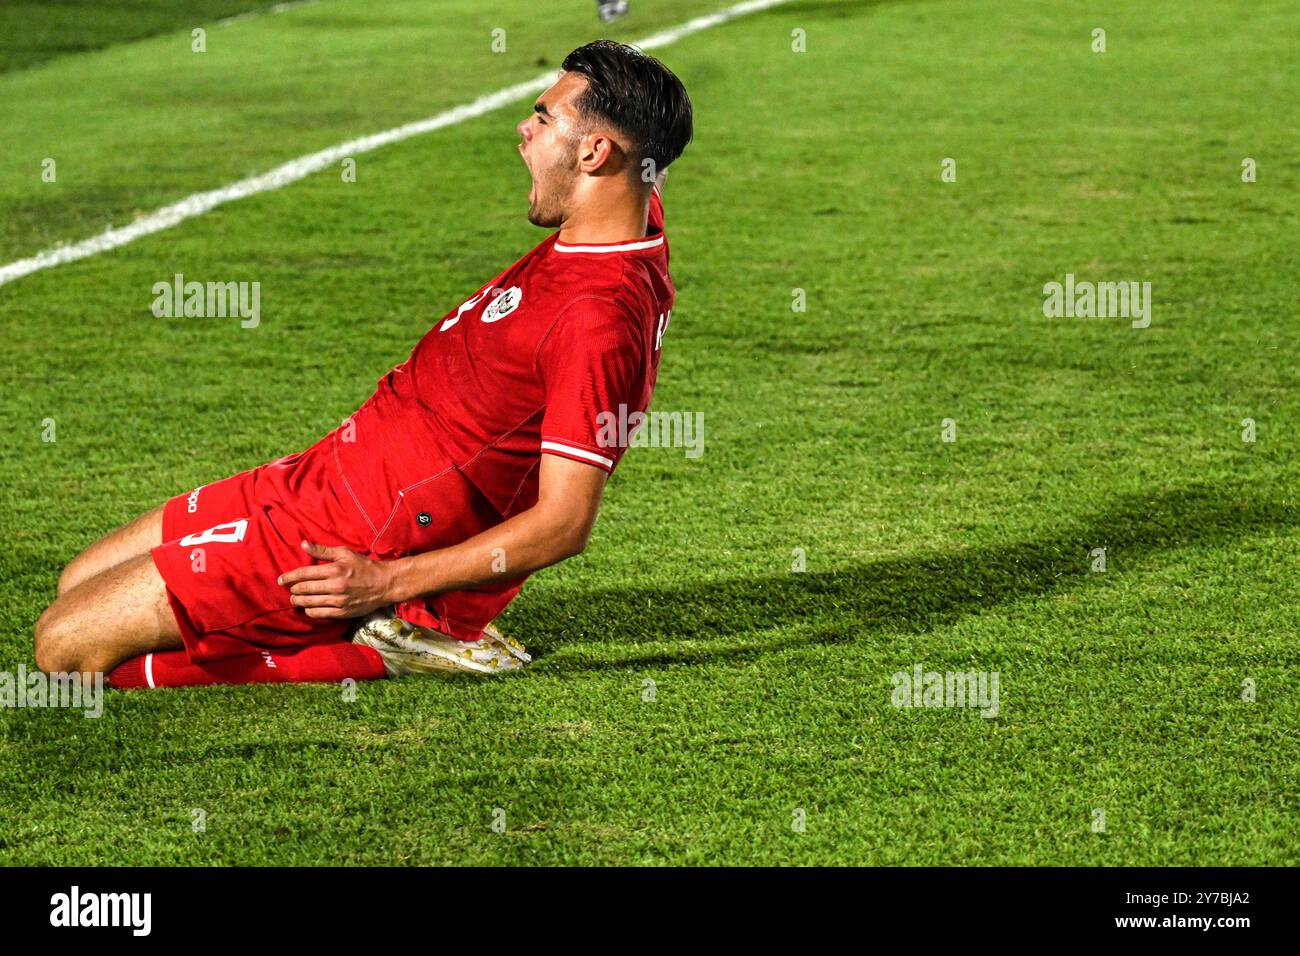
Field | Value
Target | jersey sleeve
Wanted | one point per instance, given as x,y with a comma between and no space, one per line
594,373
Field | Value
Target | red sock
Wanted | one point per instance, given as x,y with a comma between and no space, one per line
324,663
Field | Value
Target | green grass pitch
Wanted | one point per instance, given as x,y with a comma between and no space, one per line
1123,691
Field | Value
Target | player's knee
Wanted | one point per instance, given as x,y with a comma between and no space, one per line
78,569
70,578
54,651
44,645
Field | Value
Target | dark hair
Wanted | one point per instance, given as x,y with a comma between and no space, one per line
636,93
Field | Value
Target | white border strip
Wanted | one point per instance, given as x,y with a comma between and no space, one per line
617,247
296,169
148,669
257,14
578,453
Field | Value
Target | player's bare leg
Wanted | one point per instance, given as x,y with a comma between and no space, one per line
120,613
129,541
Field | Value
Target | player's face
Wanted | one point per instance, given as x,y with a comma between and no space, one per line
551,137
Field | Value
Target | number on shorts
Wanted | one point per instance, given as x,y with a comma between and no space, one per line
232,532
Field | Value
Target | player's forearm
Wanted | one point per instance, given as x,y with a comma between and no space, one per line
529,541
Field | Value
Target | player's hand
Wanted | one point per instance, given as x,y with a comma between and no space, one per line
347,585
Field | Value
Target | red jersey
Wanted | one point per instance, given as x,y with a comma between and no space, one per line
451,441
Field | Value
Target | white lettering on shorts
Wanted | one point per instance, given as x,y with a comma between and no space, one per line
232,532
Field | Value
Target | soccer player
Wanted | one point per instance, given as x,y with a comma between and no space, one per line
478,460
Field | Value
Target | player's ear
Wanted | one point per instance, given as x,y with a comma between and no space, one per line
590,152
597,151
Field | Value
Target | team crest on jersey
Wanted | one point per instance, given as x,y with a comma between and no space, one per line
503,304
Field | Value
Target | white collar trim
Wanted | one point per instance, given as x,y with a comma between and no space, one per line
617,247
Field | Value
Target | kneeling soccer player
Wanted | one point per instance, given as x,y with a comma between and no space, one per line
477,461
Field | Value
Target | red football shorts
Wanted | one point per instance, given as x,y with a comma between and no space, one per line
224,545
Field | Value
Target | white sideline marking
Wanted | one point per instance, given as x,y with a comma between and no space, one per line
257,14
199,203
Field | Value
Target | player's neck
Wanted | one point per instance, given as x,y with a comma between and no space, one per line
605,221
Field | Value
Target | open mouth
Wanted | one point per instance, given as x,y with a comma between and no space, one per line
532,188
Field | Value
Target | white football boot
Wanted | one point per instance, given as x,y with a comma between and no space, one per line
611,10
407,649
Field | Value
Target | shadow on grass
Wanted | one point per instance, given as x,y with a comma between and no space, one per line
914,594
